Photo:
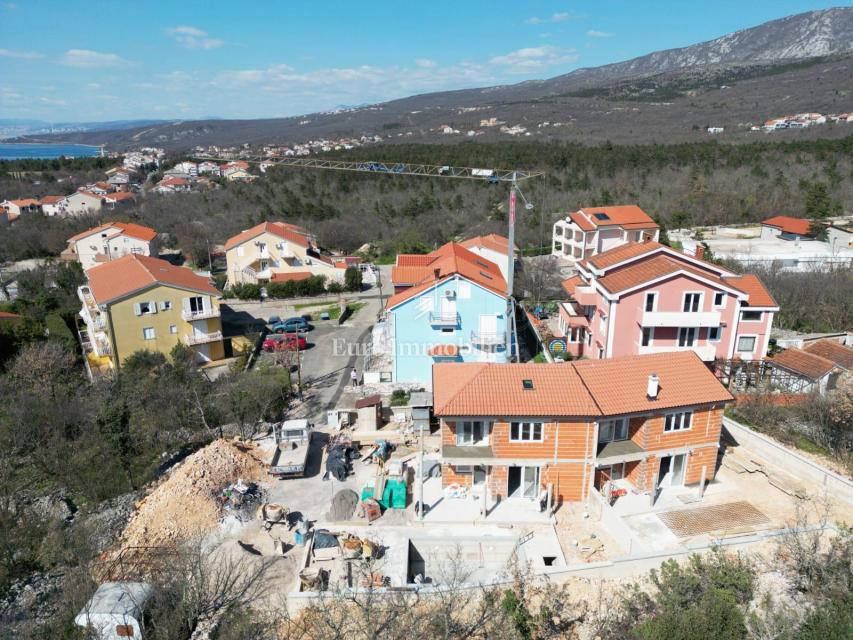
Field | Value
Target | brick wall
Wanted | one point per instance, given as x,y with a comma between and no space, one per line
568,481
449,476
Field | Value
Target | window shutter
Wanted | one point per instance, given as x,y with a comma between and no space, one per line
152,306
137,309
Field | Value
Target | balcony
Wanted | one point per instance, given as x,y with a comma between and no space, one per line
486,338
466,454
444,319
707,351
585,295
202,338
619,451
680,319
204,314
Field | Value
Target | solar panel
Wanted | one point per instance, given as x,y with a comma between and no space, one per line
601,216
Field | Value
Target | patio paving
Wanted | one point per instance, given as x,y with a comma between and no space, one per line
685,523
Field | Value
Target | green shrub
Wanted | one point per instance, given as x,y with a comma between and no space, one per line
58,330
352,279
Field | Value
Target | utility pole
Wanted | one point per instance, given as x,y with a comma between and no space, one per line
510,312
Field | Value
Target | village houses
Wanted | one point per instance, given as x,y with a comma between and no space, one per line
586,232
645,297
138,302
638,424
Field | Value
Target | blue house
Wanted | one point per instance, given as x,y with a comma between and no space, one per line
448,306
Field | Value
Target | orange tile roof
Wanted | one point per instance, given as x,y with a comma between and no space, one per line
176,182
628,216
808,365
26,202
51,199
133,273
120,195
787,224
491,241
291,276
447,261
443,351
124,228
569,284
623,252
582,221
8,315
649,269
586,388
413,259
284,230
834,351
751,285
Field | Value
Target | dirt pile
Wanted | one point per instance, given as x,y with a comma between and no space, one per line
185,504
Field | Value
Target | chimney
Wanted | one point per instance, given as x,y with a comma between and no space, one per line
700,252
652,388
436,273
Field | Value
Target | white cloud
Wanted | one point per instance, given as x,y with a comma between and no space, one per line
23,55
533,59
426,63
194,38
52,102
88,59
592,33
560,16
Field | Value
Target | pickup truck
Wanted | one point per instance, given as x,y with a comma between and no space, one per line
293,442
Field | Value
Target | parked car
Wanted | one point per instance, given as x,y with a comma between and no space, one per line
284,342
274,320
291,325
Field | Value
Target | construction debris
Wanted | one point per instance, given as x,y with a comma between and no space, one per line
187,503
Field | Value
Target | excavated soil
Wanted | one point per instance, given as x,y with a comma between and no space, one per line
185,505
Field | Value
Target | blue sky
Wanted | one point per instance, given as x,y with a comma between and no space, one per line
66,60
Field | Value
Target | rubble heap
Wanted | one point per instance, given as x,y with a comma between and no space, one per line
185,504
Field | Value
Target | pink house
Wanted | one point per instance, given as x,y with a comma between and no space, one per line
642,298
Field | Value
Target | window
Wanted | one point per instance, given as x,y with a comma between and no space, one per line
678,421
692,301
610,430
686,336
651,299
648,334
558,231
148,333
447,329
713,334
471,432
173,329
746,344
165,305
639,236
525,432
145,308
750,316
464,469
719,299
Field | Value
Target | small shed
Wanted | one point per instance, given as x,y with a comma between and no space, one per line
369,411
115,610
421,403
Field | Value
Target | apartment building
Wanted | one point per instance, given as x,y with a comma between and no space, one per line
449,306
516,431
110,241
278,250
587,232
137,302
644,298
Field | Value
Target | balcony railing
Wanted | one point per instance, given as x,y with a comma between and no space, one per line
202,338
706,351
487,338
680,319
203,314
444,319
585,295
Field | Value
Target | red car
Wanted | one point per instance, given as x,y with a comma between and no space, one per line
284,342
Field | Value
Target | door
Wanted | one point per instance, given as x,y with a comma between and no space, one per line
448,309
679,463
523,482
663,473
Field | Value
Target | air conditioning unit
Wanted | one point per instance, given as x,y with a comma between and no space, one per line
449,294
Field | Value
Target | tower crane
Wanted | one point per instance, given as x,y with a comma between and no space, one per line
492,176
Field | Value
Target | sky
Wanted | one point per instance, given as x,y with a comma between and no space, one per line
73,61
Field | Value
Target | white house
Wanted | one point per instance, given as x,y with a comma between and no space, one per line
589,231
492,247
110,241
81,203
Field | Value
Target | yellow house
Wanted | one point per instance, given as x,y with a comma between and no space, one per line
138,302
277,251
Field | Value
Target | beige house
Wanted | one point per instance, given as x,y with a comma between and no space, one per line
110,241
81,203
278,251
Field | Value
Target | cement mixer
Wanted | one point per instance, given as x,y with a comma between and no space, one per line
272,513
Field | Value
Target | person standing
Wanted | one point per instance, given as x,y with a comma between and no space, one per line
354,377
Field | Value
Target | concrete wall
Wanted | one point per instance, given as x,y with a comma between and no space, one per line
790,461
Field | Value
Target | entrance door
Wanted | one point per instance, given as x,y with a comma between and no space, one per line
679,462
523,482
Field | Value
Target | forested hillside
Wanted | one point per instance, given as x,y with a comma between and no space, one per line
702,183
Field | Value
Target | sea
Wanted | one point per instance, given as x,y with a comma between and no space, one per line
17,151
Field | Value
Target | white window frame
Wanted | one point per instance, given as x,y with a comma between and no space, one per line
527,426
699,304
760,315
173,329
719,331
754,343
468,425
676,421
145,335
654,295
687,331
651,331
166,305
463,469
723,304
610,427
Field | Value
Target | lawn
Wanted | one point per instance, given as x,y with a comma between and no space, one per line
333,310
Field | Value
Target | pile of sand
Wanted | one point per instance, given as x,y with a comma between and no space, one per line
184,505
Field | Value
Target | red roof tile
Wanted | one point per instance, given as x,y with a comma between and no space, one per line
51,199
834,351
787,224
132,273
291,276
122,228
493,241
569,284
623,252
284,230
751,285
809,365
626,216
